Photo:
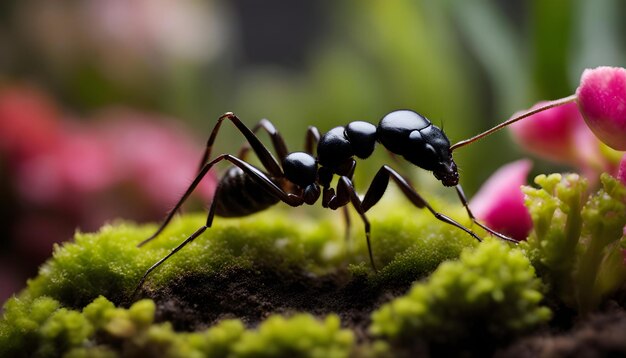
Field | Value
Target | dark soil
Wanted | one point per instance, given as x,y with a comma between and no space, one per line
196,302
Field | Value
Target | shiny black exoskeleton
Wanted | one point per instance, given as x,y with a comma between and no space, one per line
299,178
403,132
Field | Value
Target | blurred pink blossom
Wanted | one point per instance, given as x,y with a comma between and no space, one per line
500,202
553,133
602,100
78,165
28,123
65,174
561,135
153,152
130,42
182,29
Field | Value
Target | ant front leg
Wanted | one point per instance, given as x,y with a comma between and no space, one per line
379,185
257,175
463,198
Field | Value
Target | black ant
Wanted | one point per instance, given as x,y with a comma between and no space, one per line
299,178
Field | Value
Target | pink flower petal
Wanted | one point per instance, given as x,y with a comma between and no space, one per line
602,100
500,202
29,123
551,133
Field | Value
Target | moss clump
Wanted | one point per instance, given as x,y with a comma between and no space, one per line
21,324
109,263
410,244
103,330
577,241
298,336
490,292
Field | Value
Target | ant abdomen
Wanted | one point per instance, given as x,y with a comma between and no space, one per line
238,195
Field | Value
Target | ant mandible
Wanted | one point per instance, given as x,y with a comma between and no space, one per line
299,178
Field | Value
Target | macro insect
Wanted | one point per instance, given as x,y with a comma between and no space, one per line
299,178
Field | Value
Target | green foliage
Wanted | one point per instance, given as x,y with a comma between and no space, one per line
298,336
577,241
491,291
42,329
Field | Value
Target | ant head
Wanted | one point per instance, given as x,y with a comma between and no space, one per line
429,148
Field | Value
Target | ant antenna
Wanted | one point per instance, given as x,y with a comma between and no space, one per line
546,106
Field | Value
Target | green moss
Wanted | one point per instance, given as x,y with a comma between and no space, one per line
63,310
577,241
298,336
490,292
109,263
103,330
408,243
19,328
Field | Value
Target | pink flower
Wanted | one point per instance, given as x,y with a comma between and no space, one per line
602,100
500,202
159,157
29,124
553,134
79,165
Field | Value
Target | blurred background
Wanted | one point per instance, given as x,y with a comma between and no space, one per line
105,104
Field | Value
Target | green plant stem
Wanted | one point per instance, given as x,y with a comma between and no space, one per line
587,273
573,228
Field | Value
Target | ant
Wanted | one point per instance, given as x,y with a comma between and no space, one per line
298,178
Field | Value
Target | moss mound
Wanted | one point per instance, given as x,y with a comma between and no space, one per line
259,286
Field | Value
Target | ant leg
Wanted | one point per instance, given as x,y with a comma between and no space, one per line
256,174
311,139
345,188
463,198
277,140
379,185
201,174
175,250
249,169
346,219
268,161
266,158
